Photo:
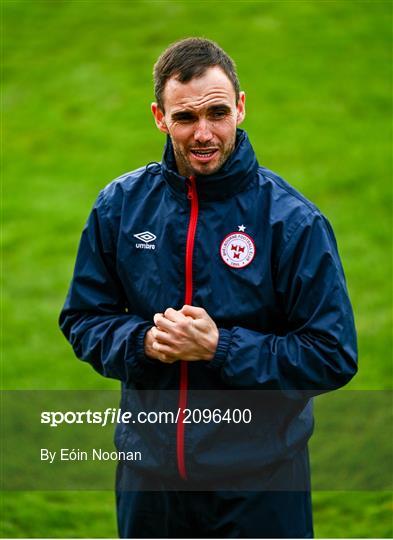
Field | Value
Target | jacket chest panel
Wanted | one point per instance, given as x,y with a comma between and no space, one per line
151,253
150,258
232,268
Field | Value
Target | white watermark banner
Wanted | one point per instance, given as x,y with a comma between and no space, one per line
235,440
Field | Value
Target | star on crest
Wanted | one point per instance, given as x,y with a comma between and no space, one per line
241,228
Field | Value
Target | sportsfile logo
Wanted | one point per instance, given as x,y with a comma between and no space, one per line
146,238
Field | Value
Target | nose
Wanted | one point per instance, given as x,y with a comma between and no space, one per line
203,132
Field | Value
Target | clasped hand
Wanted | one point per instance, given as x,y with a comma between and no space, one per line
188,334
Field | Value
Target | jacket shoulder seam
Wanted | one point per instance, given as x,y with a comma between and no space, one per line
313,213
104,211
293,194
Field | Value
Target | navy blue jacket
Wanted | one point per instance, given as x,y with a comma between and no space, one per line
285,321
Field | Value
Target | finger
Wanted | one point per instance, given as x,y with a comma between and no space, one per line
165,360
194,312
161,348
173,315
200,324
157,317
162,337
162,323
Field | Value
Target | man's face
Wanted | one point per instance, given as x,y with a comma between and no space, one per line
201,117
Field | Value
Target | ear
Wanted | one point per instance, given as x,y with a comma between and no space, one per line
159,118
241,108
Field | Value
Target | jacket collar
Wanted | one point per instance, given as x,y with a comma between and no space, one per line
234,176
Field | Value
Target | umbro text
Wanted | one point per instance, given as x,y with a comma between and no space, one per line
145,246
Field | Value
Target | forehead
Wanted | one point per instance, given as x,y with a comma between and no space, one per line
211,88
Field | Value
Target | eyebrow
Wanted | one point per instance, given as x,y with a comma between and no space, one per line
188,114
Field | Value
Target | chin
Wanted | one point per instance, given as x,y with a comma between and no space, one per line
209,168
205,171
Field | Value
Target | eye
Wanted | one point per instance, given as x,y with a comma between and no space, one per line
218,113
183,118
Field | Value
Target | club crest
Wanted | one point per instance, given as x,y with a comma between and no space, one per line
237,249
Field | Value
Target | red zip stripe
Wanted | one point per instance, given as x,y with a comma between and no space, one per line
193,197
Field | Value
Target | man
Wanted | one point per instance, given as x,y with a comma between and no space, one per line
207,271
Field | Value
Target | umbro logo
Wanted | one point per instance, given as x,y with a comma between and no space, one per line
146,238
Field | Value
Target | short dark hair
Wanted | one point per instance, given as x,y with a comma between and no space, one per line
189,58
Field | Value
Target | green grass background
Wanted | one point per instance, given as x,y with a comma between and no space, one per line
77,87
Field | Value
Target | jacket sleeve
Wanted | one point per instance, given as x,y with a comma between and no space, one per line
318,351
95,319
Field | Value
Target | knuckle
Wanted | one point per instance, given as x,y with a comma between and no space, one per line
158,334
181,325
166,338
188,323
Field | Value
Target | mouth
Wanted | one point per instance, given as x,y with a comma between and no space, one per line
204,155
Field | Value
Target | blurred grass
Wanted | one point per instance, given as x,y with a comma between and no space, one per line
76,93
